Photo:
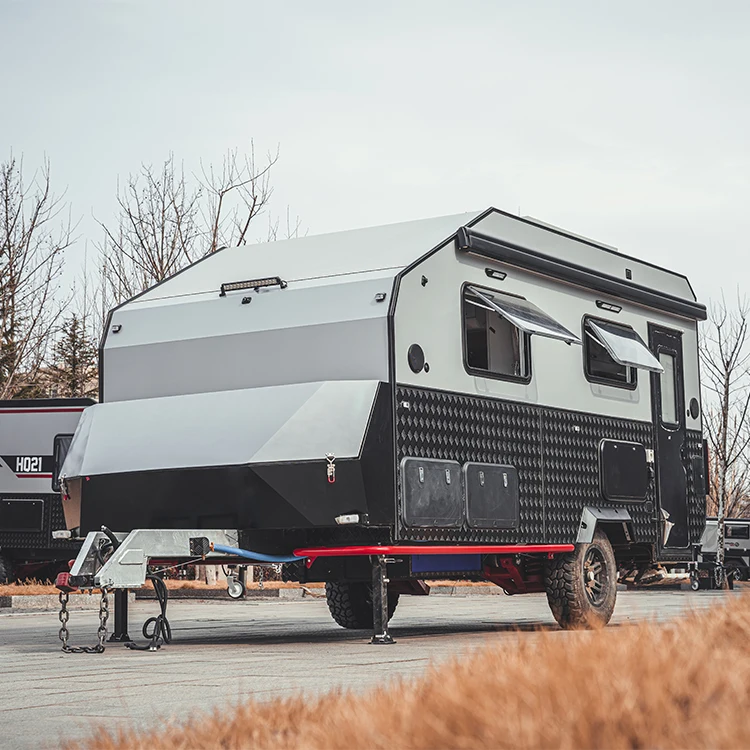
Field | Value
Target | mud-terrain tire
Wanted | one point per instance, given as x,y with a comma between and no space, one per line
6,570
351,604
582,585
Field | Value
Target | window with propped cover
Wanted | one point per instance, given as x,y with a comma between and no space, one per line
497,333
614,352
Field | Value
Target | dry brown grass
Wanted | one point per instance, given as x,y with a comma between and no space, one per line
677,685
200,585
28,587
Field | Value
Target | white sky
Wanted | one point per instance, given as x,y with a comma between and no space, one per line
626,122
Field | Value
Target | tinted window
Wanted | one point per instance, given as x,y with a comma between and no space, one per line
493,345
732,531
62,444
668,388
600,367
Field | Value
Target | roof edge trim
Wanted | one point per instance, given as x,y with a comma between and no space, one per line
469,240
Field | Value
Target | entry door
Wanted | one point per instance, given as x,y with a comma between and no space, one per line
668,408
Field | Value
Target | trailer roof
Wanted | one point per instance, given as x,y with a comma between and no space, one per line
393,247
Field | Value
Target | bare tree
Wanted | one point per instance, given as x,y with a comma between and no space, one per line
726,378
157,232
234,196
166,222
34,233
291,230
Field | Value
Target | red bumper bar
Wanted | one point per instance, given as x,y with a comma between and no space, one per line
405,549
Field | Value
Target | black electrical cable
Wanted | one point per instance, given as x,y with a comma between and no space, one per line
103,552
161,632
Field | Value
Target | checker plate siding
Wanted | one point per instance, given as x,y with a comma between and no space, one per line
556,453
449,426
53,519
571,472
696,503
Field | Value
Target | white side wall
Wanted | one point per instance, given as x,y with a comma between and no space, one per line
310,332
430,315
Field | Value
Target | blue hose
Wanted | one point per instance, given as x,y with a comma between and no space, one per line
255,556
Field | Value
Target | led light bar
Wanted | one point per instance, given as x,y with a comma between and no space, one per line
236,286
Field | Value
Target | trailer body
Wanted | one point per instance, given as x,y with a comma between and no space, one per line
478,380
34,438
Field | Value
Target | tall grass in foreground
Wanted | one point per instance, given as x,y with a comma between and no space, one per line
684,684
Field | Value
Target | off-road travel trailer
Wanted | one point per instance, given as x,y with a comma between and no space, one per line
736,553
478,396
34,438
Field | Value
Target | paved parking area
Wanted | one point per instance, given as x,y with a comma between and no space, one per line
227,652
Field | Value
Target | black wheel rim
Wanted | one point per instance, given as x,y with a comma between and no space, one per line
595,577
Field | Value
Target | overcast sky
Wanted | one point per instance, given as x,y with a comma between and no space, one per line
626,122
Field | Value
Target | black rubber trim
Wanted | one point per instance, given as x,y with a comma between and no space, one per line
467,240
45,403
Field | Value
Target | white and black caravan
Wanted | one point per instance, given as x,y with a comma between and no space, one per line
34,439
474,396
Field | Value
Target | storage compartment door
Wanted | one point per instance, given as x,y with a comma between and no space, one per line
491,496
21,515
431,493
624,470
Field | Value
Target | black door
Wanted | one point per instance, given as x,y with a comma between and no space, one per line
668,408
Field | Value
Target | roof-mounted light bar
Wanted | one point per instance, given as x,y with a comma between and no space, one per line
237,286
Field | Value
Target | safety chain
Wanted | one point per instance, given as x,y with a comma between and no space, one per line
101,632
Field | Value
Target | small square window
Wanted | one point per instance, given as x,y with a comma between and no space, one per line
61,447
599,363
668,389
494,347
738,531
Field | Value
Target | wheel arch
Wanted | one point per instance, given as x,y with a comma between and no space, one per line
616,523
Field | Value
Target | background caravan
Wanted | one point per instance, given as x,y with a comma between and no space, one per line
34,438
475,396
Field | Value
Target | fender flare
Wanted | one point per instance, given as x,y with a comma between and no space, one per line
592,516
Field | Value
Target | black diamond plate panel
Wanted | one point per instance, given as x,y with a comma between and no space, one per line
449,426
54,519
571,471
696,502
556,453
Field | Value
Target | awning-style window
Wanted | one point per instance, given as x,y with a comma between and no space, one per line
524,315
624,345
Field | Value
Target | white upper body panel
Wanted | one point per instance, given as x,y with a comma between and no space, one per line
330,323
430,314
